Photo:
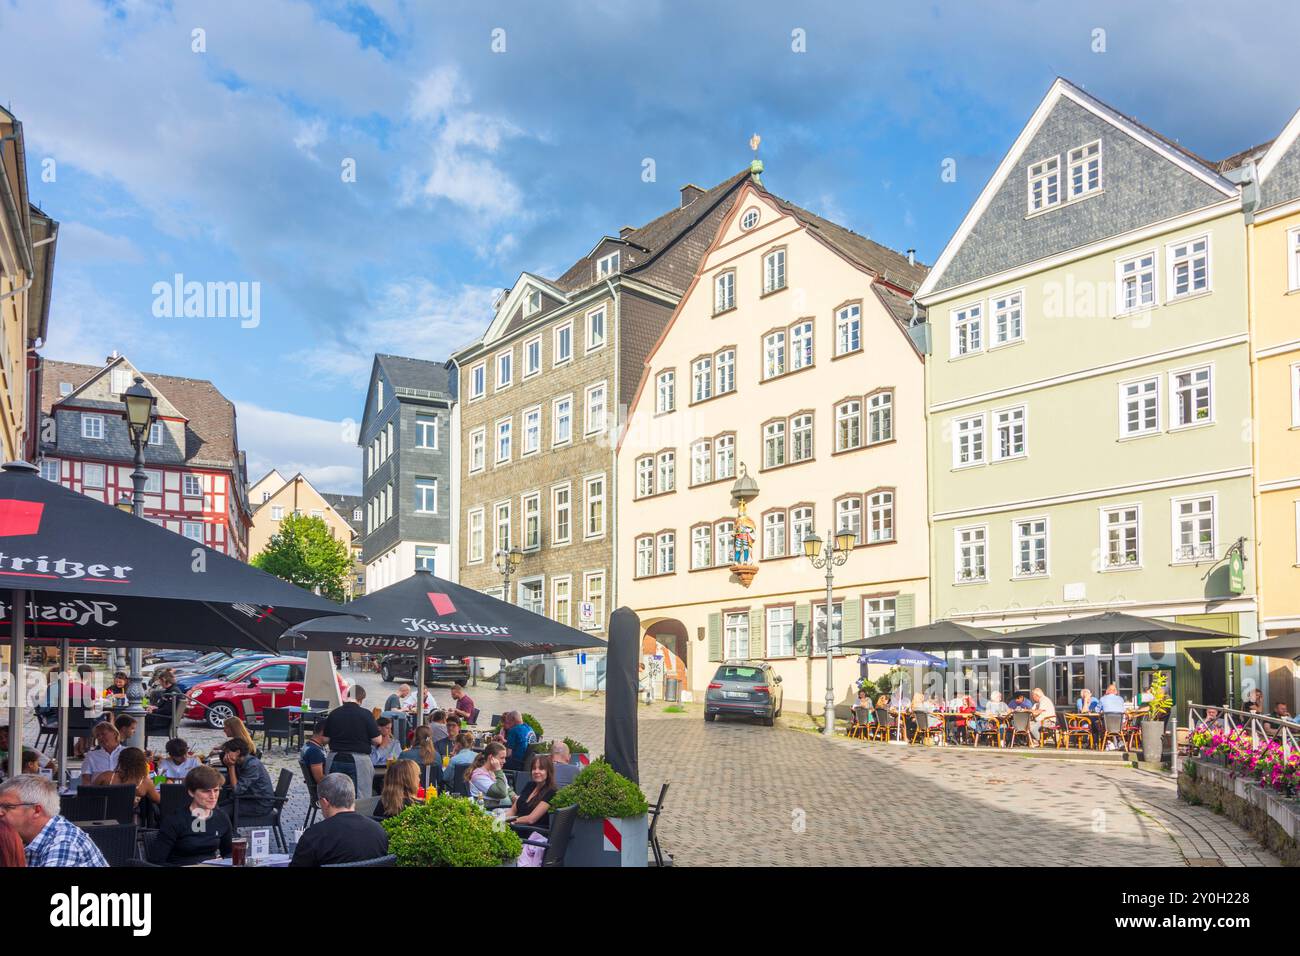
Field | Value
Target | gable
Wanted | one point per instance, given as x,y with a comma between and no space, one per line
749,200
1144,180
1281,181
98,390
372,404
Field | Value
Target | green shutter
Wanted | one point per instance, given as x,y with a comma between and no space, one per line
715,637
802,622
757,641
852,620
904,611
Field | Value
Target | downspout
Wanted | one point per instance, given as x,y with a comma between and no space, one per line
1250,200
611,588
929,483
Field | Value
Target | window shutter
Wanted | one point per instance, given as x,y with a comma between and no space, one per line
802,622
757,636
904,611
715,637
852,621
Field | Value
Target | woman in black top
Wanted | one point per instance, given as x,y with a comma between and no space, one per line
533,802
199,832
401,789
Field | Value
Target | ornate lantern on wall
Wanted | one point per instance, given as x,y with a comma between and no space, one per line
743,565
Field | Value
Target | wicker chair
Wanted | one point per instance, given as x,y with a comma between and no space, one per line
924,729
1112,728
1020,727
1078,728
992,730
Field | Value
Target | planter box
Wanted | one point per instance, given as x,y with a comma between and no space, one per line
1270,817
617,842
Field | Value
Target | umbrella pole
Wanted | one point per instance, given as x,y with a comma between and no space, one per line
17,689
64,669
419,692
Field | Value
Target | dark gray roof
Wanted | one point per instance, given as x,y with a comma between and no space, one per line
403,372
346,505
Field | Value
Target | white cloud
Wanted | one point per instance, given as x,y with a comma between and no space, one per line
325,451
80,243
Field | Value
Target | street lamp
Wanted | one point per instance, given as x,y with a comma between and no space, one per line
830,557
139,405
506,563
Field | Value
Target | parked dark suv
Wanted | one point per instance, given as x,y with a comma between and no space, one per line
744,687
399,667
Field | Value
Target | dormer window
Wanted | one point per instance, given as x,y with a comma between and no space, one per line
533,302
65,388
1085,170
607,265
1045,184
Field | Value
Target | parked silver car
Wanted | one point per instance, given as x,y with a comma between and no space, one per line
750,688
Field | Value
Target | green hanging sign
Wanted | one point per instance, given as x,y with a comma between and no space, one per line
1236,572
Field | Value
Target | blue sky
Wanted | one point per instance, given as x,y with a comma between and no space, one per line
473,165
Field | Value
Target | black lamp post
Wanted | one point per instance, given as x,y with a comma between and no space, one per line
139,414
831,556
506,562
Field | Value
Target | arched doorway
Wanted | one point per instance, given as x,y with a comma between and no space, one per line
667,638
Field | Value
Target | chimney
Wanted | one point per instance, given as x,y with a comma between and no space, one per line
625,231
690,193
911,257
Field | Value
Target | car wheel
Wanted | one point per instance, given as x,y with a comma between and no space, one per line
386,674
710,717
769,721
218,714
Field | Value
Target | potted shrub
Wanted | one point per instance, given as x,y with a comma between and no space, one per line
448,831
1153,725
611,828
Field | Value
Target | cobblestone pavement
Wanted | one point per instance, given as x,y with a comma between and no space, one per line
741,794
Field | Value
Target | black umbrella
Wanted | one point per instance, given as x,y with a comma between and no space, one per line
1288,646
76,570
939,637
424,613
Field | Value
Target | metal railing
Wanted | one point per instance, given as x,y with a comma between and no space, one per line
1260,727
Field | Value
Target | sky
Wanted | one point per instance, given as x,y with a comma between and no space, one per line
375,171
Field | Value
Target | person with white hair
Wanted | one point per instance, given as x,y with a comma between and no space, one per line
565,769
30,804
342,835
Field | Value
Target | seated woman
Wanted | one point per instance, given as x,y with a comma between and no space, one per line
234,729
462,756
533,804
421,750
965,707
401,789
863,713
133,769
487,779
387,749
198,832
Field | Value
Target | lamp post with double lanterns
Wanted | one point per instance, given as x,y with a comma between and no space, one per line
830,557
506,563
139,415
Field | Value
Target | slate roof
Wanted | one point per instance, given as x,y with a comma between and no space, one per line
403,372
345,505
210,428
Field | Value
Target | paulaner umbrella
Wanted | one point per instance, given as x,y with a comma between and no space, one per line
76,570
901,657
424,613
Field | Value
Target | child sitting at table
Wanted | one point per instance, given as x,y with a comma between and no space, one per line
178,761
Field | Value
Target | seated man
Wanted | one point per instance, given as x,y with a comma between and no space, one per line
406,698
518,738
565,768
103,759
1282,712
438,726
1021,702
461,702
342,835
30,804
1044,714
1212,720
1111,702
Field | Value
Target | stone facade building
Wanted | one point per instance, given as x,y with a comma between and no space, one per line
408,442
541,395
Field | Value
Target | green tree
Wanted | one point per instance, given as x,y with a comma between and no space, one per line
304,553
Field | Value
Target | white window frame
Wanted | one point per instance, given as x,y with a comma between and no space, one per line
1005,306
588,591
566,599
880,405
1172,261
504,362
592,424
666,392
774,450
724,445
880,503
153,484
848,329
477,381
707,541
729,378
1135,260
981,430
1175,407
998,427
94,467
478,449
277,513
1174,505
1295,394
502,520
424,424
595,343
189,526
847,403
508,435
735,629
530,506
95,433
801,345
776,534
783,627
587,500
422,485
537,581
529,345
969,319
1041,172
666,552
607,265
724,542
1079,158
557,525
155,433
531,447
800,434
701,451
1016,538
702,379
1293,259
475,552
185,486
724,291
532,301
879,616
836,624
558,357
957,545
1103,515
51,469
796,519
666,471
645,476
853,513
556,418
775,272
1150,390
774,355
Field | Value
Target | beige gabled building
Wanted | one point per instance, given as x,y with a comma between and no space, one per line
273,498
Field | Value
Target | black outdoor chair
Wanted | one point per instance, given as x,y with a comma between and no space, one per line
655,809
459,782
313,807
276,725
113,802
557,838
473,717
271,819
116,842
366,806
431,775
1112,728
390,860
173,797
1020,727
250,717
47,736
495,721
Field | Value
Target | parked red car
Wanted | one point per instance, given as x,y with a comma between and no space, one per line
219,700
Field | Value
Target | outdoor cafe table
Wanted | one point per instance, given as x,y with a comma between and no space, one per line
306,718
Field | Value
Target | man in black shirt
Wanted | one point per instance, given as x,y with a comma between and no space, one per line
350,731
342,835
